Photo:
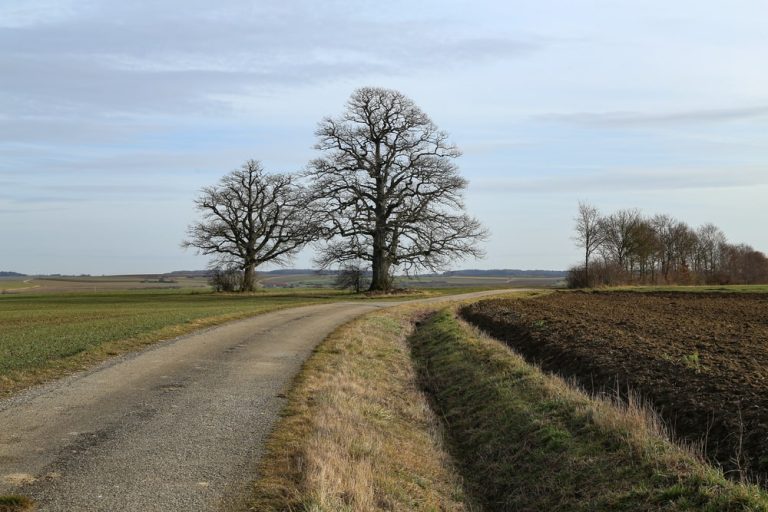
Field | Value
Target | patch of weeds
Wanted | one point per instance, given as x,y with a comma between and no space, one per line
16,503
554,438
692,361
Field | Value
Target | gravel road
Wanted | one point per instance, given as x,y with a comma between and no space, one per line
176,427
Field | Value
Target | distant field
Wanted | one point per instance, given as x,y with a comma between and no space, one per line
107,283
14,284
315,280
491,281
296,280
67,284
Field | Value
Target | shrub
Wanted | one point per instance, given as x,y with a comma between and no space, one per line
226,279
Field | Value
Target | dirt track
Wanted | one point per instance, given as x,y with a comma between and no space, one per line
179,426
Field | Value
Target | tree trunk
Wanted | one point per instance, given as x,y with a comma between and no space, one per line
379,263
249,273
586,270
380,267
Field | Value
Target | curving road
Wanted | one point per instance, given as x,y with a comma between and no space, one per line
177,427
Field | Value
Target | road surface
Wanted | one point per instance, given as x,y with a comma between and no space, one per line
176,427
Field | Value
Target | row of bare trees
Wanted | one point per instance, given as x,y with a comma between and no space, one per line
627,247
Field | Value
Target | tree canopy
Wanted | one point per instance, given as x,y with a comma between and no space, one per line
387,189
250,218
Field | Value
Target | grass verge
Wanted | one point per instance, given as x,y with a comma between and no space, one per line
357,433
528,441
15,503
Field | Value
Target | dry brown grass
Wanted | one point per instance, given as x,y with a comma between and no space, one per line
358,434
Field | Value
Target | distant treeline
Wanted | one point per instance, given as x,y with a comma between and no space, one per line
627,247
5,273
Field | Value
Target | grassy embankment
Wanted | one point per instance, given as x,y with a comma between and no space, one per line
529,441
357,434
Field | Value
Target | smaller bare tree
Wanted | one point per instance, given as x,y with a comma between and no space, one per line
250,218
352,276
589,233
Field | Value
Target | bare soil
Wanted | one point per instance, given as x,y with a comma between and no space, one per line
701,359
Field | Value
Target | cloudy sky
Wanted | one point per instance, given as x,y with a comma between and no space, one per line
113,114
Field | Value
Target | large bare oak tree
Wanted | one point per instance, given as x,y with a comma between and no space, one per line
388,189
249,218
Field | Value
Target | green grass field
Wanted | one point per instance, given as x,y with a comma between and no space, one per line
14,284
45,335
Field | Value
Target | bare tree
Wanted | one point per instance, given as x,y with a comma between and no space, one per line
710,241
645,249
618,230
249,218
589,233
351,276
389,190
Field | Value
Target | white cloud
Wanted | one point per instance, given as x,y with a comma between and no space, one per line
629,179
31,13
628,119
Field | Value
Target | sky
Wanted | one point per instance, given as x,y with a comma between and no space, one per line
114,114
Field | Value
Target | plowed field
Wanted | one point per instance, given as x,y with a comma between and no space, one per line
701,359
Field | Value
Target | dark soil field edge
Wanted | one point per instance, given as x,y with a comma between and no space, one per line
527,441
700,359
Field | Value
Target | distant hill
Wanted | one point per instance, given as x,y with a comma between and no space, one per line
507,272
189,273
6,273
